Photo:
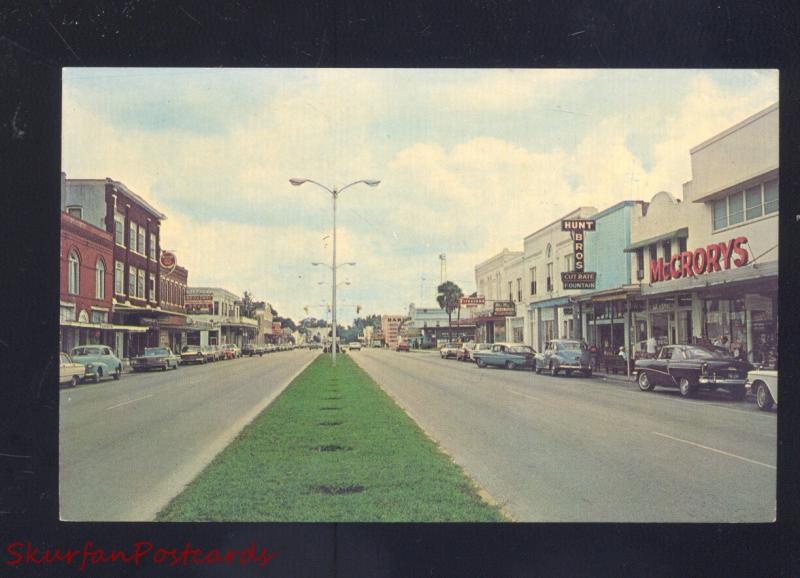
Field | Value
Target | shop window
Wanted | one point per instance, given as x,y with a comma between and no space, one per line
100,280
74,273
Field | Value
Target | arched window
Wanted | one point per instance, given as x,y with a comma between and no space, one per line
74,273
100,279
548,250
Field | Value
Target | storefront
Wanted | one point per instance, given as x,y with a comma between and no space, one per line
490,329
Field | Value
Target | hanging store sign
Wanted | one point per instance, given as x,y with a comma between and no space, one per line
578,278
709,259
200,303
473,301
168,261
504,309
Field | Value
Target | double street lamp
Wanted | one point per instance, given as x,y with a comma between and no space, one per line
334,192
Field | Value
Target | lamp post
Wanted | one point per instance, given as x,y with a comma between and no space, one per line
333,307
334,194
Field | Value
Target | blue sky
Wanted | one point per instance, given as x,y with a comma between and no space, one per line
470,161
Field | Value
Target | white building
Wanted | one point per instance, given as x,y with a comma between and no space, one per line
216,312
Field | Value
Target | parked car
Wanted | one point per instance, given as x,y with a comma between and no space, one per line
691,368
209,353
449,350
69,371
508,355
193,354
99,360
230,351
763,383
216,352
567,354
252,349
155,358
402,346
354,346
479,347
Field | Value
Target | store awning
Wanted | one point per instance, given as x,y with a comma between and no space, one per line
616,294
105,326
556,302
146,311
683,232
768,272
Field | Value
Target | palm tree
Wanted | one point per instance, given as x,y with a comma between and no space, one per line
449,298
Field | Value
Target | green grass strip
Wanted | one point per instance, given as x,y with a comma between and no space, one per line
364,461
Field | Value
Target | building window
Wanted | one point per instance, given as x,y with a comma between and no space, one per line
132,236
653,252
74,273
67,313
140,284
99,316
568,263
152,295
216,307
548,250
100,280
667,250
682,244
510,294
741,206
119,230
153,246
640,263
131,281
549,277
141,249
519,289
75,211
533,280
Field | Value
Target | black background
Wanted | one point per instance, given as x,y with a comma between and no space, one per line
38,37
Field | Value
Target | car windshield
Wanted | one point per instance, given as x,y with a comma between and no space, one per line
190,348
154,351
706,353
521,349
79,351
570,346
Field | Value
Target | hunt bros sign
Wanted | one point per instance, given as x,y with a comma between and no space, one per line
708,259
578,278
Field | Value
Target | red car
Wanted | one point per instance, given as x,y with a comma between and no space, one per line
402,346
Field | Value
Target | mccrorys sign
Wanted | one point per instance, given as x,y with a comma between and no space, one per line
708,259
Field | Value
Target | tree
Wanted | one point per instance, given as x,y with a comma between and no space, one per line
248,305
449,299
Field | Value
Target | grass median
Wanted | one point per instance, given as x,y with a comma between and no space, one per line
333,447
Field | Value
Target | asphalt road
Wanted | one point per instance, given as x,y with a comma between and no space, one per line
127,447
559,449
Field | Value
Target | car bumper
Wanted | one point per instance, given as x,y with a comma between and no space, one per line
713,380
574,366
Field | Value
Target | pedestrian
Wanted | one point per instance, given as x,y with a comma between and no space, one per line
593,354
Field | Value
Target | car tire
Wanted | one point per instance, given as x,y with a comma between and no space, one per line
686,387
763,397
98,375
738,392
118,373
553,369
510,365
76,380
644,382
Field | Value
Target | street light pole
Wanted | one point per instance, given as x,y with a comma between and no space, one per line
335,194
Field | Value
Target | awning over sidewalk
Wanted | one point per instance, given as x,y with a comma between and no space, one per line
105,326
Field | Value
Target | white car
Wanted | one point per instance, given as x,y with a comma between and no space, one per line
70,371
354,345
764,384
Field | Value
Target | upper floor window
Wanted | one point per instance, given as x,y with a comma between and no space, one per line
510,294
533,280
653,252
548,250
100,280
75,211
132,236
639,262
667,250
742,206
519,288
568,266
119,277
140,284
141,238
682,244
74,273
131,281
549,277
152,287
152,251
119,229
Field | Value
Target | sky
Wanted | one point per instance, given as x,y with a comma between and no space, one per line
470,162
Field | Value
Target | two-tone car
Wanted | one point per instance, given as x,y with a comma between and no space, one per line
69,371
449,350
567,355
155,358
193,354
763,382
692,368
508,355
99,360
230,351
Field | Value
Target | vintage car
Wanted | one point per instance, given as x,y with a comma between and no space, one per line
449,350
354,346
691,368
99,360
508,355
192,354
479,347
564,354
69,371
403,346
763,383
214,353
155,358
230,351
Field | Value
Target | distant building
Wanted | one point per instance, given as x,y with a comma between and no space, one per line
389,327
215,314
428,326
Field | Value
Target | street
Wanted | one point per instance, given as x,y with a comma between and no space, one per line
559,449
127,447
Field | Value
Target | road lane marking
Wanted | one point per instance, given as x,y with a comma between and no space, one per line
525,395
715,450
129,401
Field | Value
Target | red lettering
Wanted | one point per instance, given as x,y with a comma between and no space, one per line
674,270
726,250
665,269
699,260
656,267
141,549
742,258
686,264
713,258
17,556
